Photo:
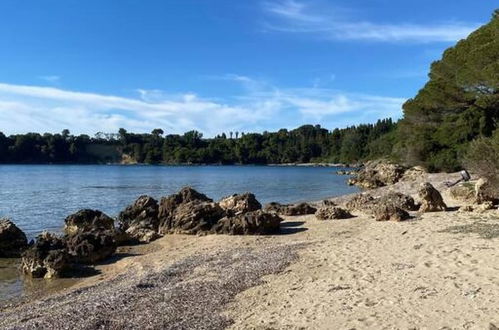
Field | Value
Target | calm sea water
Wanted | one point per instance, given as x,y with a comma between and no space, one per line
39,197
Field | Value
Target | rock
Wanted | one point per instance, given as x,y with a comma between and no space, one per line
463,192
298,209
193,217
390,212
251,223
89,247
414,174
12,240
168,205
139,221
46,258
332,213
466,208
484,192
399,200
485,206
290,210
87,220
377,174
431,199
237,204
361,202
274,207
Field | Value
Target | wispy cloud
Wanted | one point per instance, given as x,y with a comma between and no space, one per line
50,79
265,107
293,16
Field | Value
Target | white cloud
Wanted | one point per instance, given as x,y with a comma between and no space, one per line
50,79
299,17
41,109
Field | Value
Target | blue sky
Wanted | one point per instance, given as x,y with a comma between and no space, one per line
218,65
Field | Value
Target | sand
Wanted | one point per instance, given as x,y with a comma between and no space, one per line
435,271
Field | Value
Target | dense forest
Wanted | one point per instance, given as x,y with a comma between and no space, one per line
305,144
455,114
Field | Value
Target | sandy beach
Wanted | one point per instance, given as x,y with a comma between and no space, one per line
434,271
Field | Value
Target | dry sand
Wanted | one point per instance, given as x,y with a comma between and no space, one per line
435,271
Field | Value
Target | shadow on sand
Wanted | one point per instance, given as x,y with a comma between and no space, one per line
292,227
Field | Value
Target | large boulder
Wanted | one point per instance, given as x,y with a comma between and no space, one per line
168,205
390,212
377,174
193,217
463,192
361,202
87,220
332,213
89,247
139,222
12,240
250,223
484,192
431,199
414,174
290,209
237,204
399,200
46,257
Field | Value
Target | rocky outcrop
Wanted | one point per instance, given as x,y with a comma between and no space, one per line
290,209
431,199
415,173
86,220
12,240
193,217
139,222
46,257
390,212
377,174
405,202
484,192
463,192
238,204
89,247
251,223
332,213
361,202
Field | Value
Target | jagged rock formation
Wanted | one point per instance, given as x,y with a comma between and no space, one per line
238,204
85,220
250,223
12,239
46,258
139,222
332,213
431,199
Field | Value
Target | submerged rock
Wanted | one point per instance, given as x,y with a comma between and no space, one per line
89,247
87,220
12,240
332,213
237,204
431,199
250,223
139,222
46,257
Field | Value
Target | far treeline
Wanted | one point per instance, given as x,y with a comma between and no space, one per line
452,122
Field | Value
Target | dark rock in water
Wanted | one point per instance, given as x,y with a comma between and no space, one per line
12,240
400,200
431,199
251,223
139,222
193,218
237,204
332,213
390,212
87,220
290,210
46,257
168,205
89,247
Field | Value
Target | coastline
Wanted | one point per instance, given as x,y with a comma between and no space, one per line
351,273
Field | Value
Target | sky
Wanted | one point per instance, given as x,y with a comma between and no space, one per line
218,65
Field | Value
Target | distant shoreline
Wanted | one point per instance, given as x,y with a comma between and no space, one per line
196,164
